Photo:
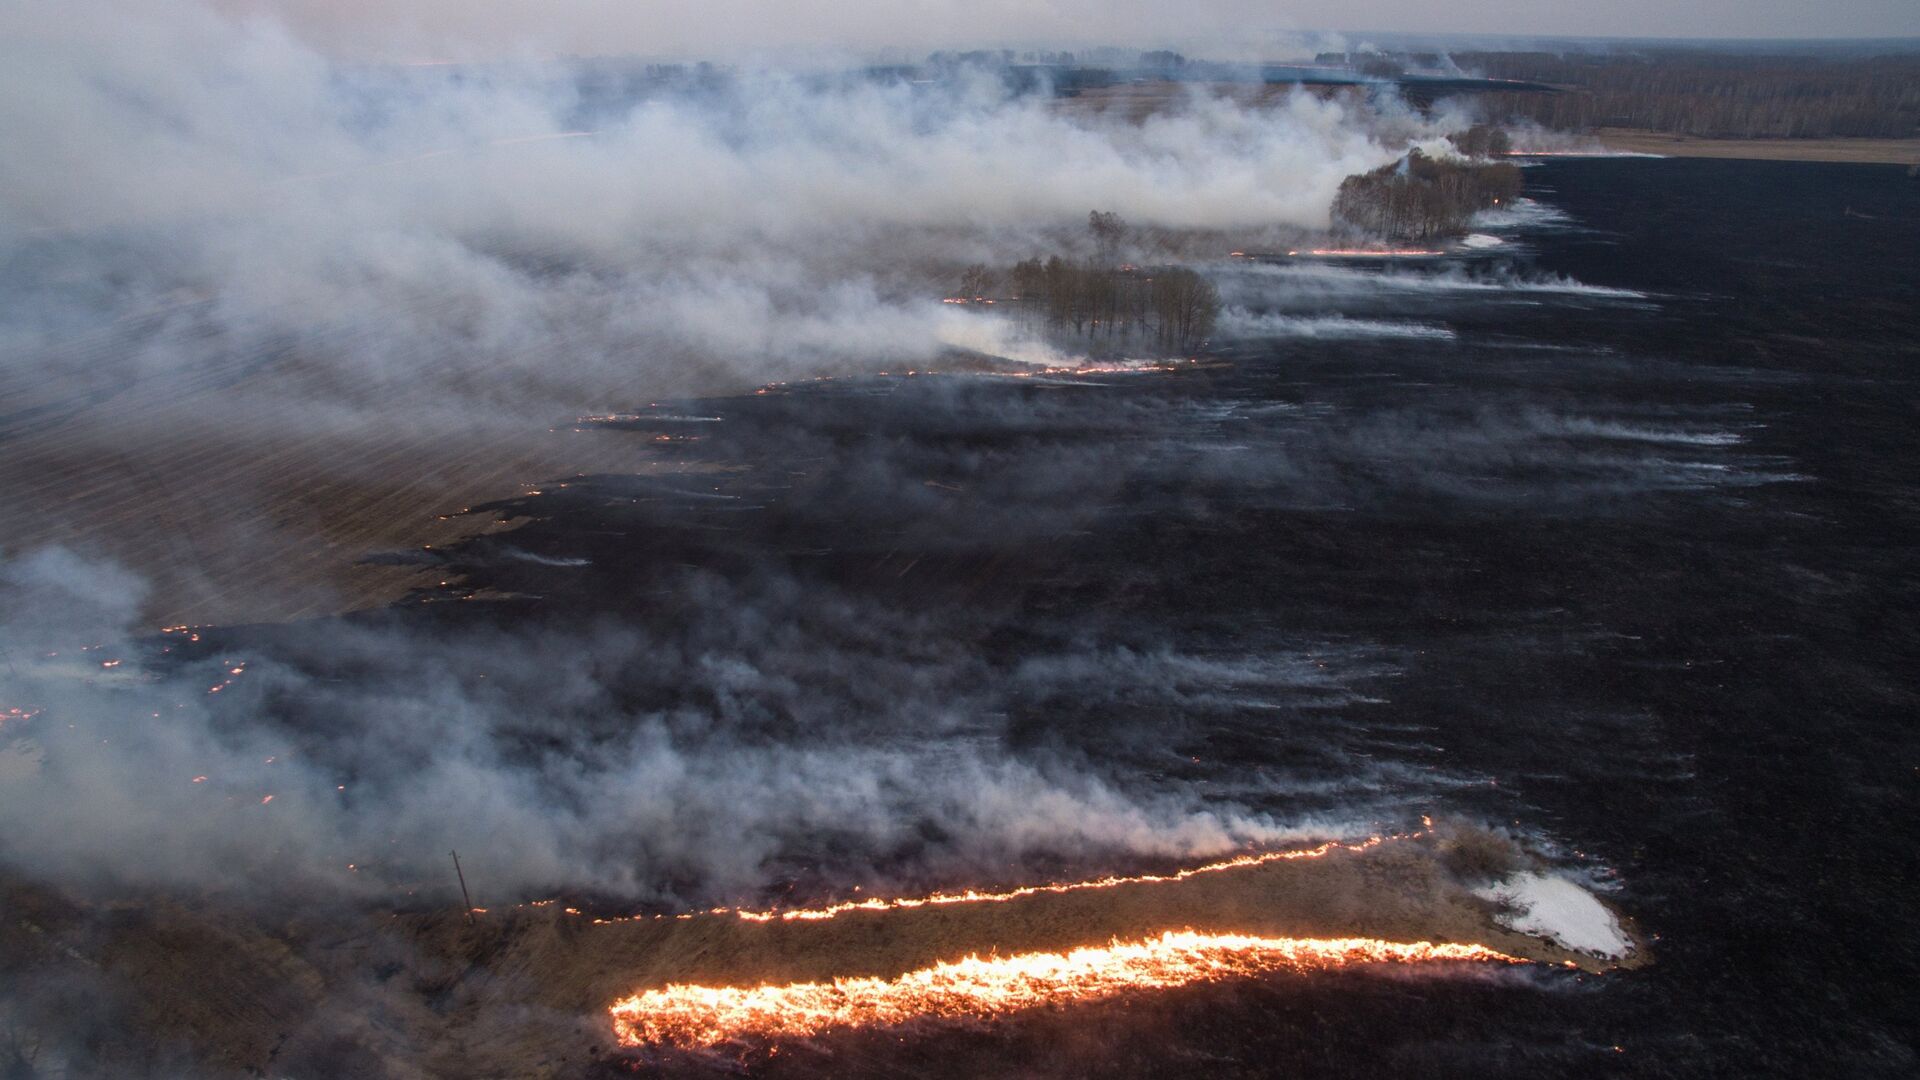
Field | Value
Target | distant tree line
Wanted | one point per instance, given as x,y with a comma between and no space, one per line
1421,198
1712,94
1400,61
1156,58
1171,309
971,58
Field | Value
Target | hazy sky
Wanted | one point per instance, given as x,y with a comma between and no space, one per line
717,26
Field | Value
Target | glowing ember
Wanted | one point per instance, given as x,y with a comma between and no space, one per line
1091,367
972,896
979,988
1369,253
975,896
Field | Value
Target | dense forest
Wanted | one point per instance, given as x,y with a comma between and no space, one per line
1711,94
1168,309
1421,198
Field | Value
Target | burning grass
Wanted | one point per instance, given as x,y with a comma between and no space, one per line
984,987
537,990
735,976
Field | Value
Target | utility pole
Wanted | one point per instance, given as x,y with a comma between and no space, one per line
463,886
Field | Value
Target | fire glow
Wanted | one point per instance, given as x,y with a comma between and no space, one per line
974,896
981,988
1369,253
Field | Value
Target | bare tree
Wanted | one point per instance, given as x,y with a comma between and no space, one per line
1174,306
976,283
1185,306
1108,231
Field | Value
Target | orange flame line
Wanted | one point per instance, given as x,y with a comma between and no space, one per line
687,1015
974,896
1372,252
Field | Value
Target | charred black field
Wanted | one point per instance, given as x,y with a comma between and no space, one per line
1602,537
869,541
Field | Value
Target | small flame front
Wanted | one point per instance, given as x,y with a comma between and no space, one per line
973,896
976,987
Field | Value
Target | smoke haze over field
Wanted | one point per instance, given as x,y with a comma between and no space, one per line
713,709
467,252
458,251
396,223
627,476
353,265
437,27
476,251
802,733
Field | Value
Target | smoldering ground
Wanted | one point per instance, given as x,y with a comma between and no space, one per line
301,298
203,205
789,679
895,632
769,732
870,633
754,709
394,222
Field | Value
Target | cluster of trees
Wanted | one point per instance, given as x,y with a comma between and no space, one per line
1171,308
1419,198
1713,94
1482,141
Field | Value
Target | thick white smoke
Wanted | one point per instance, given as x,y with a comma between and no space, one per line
221,177
493,245
813,733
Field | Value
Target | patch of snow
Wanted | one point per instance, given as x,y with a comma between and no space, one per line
1560,911
1481,240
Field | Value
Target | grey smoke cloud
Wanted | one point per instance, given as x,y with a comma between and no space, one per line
760,727
444,248
440,247
443,27
227,180
802,735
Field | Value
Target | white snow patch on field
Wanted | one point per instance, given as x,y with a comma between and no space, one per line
1559,910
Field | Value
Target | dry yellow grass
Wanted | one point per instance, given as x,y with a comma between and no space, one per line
1859,151
524,991
237,508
